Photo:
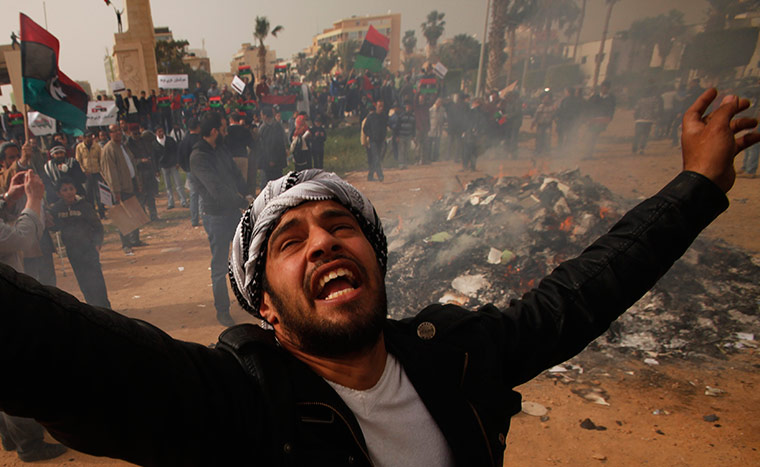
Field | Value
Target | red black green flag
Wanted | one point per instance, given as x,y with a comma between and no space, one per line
428,86
46,88
280,69
215,102
372,54
244,70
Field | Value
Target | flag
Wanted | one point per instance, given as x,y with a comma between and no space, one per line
46,88
374,49
280,69
428,86
108,2
244,70
215,101
286,104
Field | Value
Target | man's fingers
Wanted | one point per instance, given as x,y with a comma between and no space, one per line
699,107
746,140
744,123
18,179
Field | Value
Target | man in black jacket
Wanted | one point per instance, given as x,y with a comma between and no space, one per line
272,150
375,127
309,257
222,193
165,149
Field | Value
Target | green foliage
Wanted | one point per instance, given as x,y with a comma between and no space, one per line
169,56
346,52
718,52
409,41
343,150
432,28
657,30
462,52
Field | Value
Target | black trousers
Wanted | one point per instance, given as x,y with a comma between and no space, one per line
86,265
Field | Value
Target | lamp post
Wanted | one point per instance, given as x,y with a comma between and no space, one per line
482,51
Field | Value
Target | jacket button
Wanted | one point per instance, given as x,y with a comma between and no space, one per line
351,459
426,330
288,448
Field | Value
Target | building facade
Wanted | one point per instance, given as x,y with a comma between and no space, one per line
248,55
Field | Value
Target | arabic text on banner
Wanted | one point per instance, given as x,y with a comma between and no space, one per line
173,82
101,113
41,124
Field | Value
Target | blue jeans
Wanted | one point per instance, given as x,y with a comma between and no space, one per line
749,165
192,183
173,182
374,156
220,230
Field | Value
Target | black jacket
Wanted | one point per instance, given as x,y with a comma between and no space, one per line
166,154
220,185
238,140
376,126
184,149
272,150
79,225
133,392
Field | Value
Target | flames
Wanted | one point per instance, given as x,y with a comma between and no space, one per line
567,224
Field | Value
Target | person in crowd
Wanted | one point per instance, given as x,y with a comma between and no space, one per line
88,154
103,138
600,109
23,435
262,89
165,150
119,170
422,121
437,124
272,148
61,165
82,235
145,110
542,124
222,193
647,111
241,144
374,129
316,140
404,133
184,150
299,143
131,107
140,144
328,376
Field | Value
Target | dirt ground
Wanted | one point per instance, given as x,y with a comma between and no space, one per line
656,414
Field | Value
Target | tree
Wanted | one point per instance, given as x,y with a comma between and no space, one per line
409,41
432,29
722,10
517,14
461,53
301,61
169,55
549,13
260,33
496,42
578,28
325,60
346,51
656,30
600,56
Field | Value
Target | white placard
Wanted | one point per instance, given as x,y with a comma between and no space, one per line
40,124
118,86
106,196
173,82
101,113
440,70
238,85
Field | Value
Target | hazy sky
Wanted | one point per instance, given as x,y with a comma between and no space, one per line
85,27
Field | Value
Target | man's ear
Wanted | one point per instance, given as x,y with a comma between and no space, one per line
267,309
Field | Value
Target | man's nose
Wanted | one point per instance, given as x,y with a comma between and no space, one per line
322,244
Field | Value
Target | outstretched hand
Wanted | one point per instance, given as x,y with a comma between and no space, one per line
710,142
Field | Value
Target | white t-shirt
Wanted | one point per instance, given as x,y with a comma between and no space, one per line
129,162
397,426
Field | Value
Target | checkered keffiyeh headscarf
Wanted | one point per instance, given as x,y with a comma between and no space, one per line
252,235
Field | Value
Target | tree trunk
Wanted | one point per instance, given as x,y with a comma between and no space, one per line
580,27
600,55
262,60
496,43
512,46
547,38
526,62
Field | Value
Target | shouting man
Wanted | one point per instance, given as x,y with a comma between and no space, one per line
331,380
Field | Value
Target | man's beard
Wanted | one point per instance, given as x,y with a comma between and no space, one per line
323,338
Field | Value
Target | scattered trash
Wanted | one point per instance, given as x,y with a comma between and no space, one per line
452,212
545,418
651,361
135,296
440,237
201,306
599,457
494,256
595,395
711,418
453,298
659,432
660,412
534,408
557,369
470,284
415,189
180,268
587,424
714,392
745,336
171,250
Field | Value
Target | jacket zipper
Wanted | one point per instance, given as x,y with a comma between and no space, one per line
475,412
356,439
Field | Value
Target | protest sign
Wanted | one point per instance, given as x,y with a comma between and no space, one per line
40,124
118,86
238,85
128,215
105,194
101,113
173,82
440,70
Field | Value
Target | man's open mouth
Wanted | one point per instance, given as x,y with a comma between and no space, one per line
336,283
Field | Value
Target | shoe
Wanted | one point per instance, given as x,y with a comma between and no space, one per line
44,452
128,251
8,444
139,243
196,224
170,207
185,204
225,319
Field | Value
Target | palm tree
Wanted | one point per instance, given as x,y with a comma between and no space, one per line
579,28
518,13
600,55
346,51
496,42
261,32
432,29
563,13
409,41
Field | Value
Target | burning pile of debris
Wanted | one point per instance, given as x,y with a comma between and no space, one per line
500,236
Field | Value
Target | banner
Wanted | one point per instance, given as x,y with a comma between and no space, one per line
118,86
238,85
40,124
173,82
105,194
101,113
440,70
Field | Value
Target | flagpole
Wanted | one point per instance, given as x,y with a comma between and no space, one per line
26,123
44,9
482,52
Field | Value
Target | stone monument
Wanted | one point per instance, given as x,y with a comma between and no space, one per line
134,50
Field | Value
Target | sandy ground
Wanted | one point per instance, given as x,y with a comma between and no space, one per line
655,413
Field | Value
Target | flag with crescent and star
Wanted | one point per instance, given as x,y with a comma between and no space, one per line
46,88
